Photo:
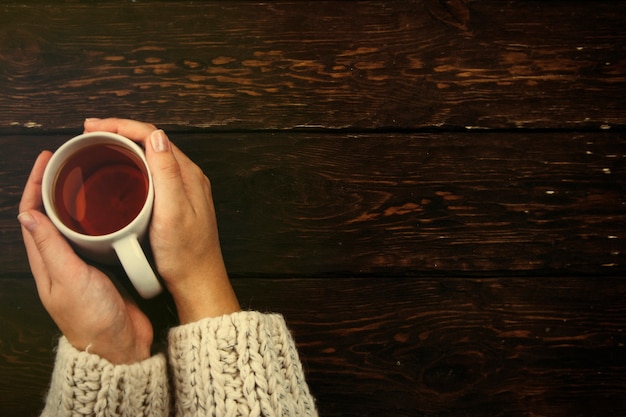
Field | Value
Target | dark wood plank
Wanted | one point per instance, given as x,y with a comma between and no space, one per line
404,347
444,346
336,64
447,237
311,204
28,337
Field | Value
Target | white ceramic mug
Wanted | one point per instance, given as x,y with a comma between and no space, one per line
124,243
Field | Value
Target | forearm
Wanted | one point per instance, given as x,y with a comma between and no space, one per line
85,384
246,361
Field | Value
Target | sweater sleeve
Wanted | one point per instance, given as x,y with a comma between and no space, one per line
242,364
84,384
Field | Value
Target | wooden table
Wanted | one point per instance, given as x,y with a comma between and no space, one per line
431,192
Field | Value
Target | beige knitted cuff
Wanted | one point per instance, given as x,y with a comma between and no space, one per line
85,384
244,363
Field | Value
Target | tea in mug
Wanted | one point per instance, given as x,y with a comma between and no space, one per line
100,189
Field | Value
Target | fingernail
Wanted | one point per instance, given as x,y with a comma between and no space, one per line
160,143
91,119
27,220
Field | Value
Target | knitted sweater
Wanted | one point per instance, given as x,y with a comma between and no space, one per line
243,364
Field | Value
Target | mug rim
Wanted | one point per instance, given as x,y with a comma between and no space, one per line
49,178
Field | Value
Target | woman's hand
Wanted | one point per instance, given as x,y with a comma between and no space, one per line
81,300
183,231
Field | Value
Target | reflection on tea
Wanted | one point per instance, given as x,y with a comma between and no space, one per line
100,189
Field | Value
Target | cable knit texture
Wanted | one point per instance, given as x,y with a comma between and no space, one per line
84,384
243,364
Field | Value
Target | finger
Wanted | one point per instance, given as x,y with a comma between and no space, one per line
31,198
52,259
31,201
132,129
183,160
169,186
196,185
37,266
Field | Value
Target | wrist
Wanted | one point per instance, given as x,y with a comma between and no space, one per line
204,299
117,354
122,357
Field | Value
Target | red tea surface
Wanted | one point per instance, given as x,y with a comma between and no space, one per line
100,189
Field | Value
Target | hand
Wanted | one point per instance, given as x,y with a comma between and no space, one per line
183,231
81,300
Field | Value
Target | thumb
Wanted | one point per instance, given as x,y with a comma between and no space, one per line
169,189
52,259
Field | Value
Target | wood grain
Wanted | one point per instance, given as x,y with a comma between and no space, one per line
27,338
311,204
329,64
444,346
406,347
432,192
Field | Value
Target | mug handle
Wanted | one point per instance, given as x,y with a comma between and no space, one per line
137,267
